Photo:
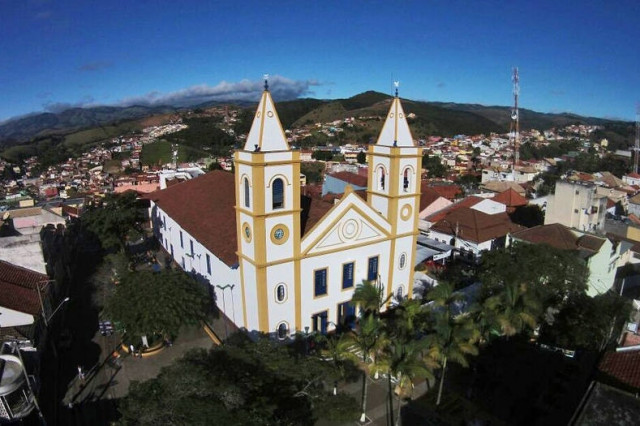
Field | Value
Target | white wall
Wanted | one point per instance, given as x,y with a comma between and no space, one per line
221,274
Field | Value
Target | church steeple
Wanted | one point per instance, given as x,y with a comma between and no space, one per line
266,132
395,131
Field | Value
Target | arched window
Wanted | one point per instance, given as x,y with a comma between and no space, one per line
400,292
282,330
277,194
382,177
405,180
246,193
281,293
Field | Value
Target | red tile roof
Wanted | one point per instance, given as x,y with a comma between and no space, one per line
427,195
352,178
466,202
510,198
313,210
589,242
19,288
476,226
450,192
623,366
205,208
555,235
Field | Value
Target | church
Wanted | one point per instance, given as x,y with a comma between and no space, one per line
278,261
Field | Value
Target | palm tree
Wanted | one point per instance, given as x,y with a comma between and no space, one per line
403,360
453,337
370,296
340,350
368,341
514,308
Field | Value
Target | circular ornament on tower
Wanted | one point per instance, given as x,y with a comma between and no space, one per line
405,212
279,234
246,232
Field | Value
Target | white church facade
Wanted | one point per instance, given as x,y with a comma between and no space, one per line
280,262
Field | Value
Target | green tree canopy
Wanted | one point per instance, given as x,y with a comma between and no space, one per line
434,166
553,273
361,157
157,303
114,221
240,383
587,322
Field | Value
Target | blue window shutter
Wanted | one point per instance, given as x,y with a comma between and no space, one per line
347,275
372,274
320,282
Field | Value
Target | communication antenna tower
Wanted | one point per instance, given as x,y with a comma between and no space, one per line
637,145
514,131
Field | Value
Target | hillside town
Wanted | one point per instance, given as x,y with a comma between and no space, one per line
472,199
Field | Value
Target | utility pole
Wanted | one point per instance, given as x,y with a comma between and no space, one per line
514,132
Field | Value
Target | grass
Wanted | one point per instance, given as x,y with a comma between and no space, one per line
158,153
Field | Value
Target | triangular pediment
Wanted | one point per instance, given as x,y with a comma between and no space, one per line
351,222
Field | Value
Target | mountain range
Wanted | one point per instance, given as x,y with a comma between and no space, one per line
432,118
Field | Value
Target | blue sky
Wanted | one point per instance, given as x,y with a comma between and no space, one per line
575,56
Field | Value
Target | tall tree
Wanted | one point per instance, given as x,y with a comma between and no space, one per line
157,303
114,221
368,341
453,336
403,361
240,383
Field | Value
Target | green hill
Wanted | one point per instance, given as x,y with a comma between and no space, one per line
55,136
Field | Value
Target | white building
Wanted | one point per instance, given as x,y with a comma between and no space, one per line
281,262
576,205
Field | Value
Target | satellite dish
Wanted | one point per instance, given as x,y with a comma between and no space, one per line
5,216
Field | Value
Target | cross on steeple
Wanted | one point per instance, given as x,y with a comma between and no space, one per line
266,82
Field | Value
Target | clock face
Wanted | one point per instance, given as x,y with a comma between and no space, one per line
279,234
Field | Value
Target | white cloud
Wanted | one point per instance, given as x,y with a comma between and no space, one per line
281,89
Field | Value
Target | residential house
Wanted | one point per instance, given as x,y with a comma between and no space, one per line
632,179
472,231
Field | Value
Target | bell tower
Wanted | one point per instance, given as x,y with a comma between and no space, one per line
267,175
394,191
